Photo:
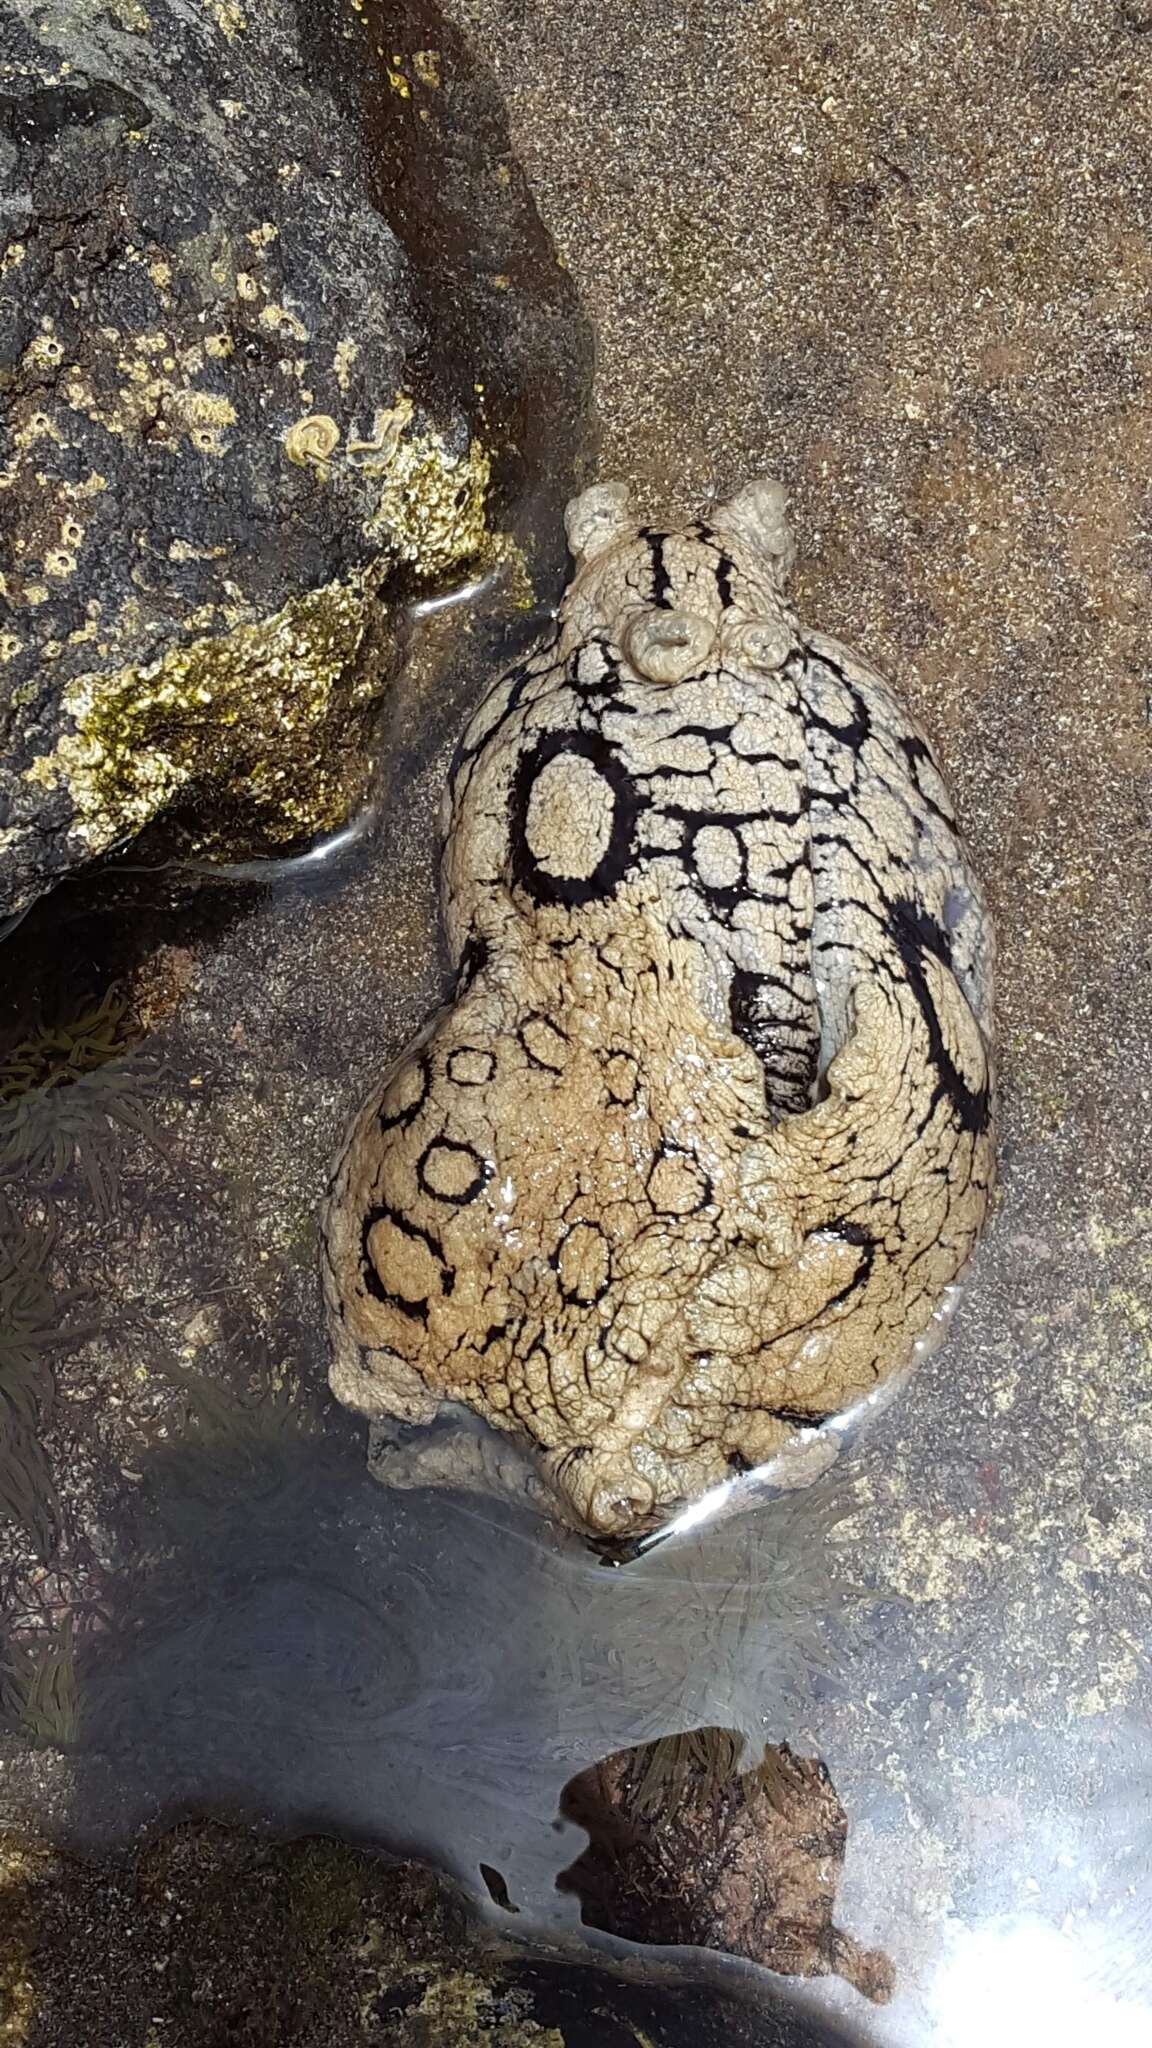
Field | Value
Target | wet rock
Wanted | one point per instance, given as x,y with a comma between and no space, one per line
275,314
210,1935
683,1850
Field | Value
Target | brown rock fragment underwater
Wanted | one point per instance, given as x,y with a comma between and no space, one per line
692,1157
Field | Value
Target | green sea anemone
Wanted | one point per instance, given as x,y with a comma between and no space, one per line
32,1330
39,1694
66,1089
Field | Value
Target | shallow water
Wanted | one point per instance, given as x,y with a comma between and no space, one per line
415,1670
211,1606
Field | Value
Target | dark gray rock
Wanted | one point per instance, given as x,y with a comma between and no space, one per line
276,315
210,1936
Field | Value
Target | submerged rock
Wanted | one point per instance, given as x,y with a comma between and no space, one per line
275,311
684,1849
212,1935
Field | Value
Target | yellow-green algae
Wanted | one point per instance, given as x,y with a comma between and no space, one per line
255,713
430,508
20,1866
242,712
459,2006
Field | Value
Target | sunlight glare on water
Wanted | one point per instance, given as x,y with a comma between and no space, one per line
1020,1981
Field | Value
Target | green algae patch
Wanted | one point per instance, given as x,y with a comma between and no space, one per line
17,1994
251,715
21,1866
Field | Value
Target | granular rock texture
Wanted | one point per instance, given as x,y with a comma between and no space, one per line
683,1850
272,298
210,1936
707,1132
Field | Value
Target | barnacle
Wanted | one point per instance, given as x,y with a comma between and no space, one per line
66,1088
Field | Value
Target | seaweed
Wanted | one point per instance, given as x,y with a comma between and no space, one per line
32,1330
31,1311
703,1762
66,1089
28,1493
248,1439
663,1771
39,1694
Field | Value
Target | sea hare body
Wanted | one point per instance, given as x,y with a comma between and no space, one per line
706,1131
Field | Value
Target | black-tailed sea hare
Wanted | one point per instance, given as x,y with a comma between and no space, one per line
688,1163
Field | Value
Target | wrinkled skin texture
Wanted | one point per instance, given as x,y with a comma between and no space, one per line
705,1133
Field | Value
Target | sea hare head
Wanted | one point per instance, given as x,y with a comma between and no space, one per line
690,1160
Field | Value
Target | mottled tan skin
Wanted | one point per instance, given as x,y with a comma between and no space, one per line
706,1131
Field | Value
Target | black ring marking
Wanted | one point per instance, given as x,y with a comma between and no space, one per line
915,934
535,1059
666,1151
470,1052
404,1117
481,1176
616,860
416,1311
576,1294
